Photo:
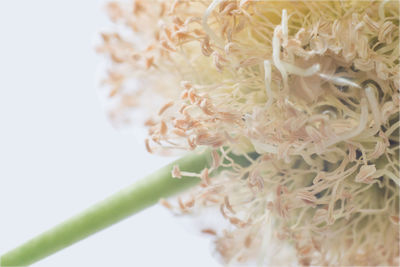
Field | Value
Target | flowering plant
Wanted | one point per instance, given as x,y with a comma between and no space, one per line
310,86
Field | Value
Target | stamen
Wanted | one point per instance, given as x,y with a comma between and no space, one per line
276,50
381,10
207,28
292,69
339,80
359,129
284,24
373,103
267,79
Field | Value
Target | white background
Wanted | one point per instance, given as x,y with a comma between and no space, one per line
58,152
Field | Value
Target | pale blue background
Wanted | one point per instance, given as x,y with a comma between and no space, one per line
58,152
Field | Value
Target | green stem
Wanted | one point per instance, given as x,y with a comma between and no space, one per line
119,206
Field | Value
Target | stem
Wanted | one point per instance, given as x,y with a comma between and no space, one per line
119,206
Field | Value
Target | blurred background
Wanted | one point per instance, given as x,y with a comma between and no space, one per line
58,152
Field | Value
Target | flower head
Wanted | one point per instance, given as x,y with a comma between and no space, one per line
306,91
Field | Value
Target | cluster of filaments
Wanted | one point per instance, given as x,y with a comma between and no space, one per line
311,88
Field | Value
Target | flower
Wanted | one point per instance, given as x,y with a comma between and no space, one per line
306,91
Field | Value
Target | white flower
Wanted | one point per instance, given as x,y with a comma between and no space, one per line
305,92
